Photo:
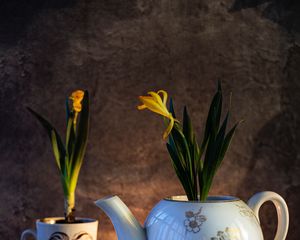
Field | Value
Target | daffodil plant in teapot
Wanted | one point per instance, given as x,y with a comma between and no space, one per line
69,158
195,215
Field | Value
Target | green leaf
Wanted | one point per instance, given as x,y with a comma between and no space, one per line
227,142
55,149
220,138
171,108
68,112
179,169
187,128
179,142
214,156
213,118
81,140
182,145
194,173
175,158
219,106
54,138
212,142
177,149
70,136
189,134
197,156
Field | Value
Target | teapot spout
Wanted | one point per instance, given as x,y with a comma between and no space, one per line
125,224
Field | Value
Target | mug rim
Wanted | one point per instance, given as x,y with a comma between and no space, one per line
210,199
53,221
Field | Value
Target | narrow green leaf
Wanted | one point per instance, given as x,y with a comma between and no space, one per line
178,139
219,140
219,107
70,136
197,156
178,151
171,108
183,147
55,149
49,129
226,143
180,142
189,134
187,127
43,121
179,169
212,142
213,119
214,156
81,140
67,109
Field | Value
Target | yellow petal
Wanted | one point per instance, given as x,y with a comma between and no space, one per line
146,97
159,100
156,97
77,95
154,106
169,128
141,107
77,106
165,96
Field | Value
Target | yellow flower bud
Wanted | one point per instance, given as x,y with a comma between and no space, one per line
77,97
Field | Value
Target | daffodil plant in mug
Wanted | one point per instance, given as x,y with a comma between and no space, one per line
69,157
195,163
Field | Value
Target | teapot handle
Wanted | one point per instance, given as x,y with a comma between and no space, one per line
258,199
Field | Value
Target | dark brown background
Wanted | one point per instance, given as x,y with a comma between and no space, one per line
121,49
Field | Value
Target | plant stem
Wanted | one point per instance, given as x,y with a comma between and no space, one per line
70,207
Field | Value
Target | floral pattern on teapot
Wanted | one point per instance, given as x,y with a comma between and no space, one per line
194,221
244,210
228,234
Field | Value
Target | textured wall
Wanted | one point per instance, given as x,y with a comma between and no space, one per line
121,49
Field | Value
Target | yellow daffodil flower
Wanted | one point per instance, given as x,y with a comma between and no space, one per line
77,97
158,104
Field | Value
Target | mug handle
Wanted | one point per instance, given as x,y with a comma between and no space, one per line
258,199
28,232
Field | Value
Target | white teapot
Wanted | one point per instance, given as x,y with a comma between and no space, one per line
176,218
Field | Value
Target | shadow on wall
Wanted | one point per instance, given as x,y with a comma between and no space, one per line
276,155
16,15
284,12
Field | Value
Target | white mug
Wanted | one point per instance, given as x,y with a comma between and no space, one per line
55,229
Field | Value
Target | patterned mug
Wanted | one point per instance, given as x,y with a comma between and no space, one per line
55,229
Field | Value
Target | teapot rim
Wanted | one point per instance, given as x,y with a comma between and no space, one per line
210,199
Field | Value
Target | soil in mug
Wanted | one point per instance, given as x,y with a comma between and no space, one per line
63,221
